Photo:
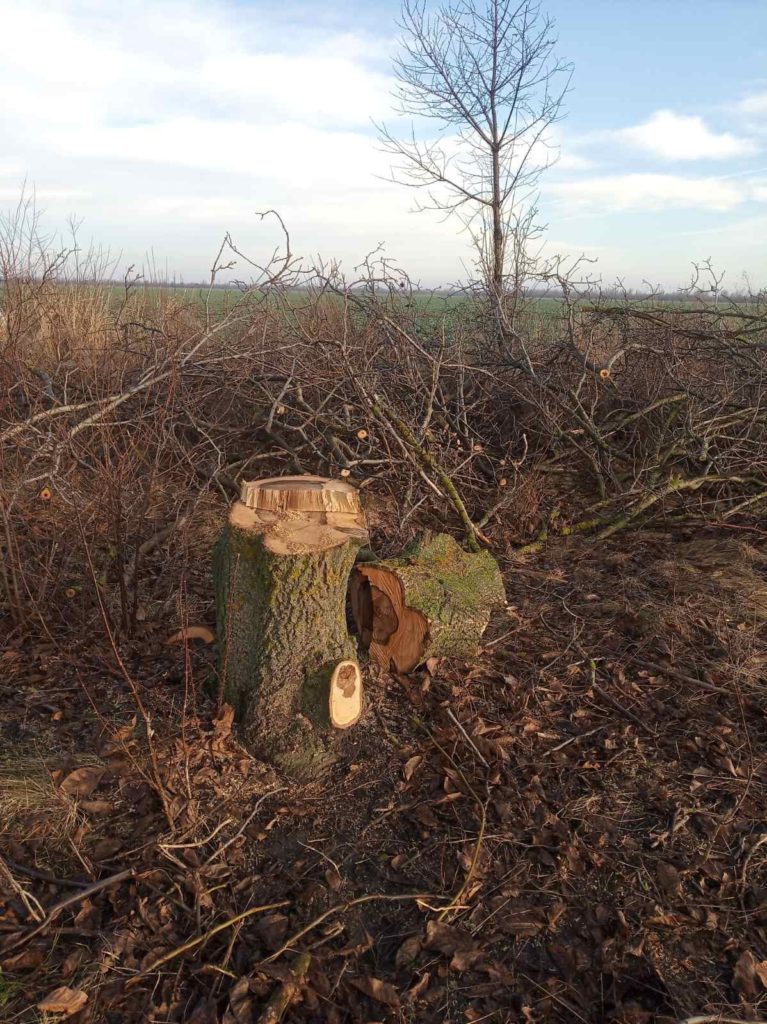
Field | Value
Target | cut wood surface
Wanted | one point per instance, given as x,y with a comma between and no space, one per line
301,494
434,601
286,659
335,696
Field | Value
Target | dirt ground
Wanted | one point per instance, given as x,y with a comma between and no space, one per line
573,828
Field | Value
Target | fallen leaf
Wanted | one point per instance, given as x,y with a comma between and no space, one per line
97,806
192,633
222,723
407,952
125,731
465,959
106,848
447,939
379,990
420,986
669,877
333,879
410,766
23,961
760,970
82,781
240,1009
64,1001
745,976
73,961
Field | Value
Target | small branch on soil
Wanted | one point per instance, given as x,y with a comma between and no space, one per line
43,876
572,739
615,703
201,939
31,903
340,909
719,1019
624,711
468,738
225,846
69,901
455,903
701,684
287,991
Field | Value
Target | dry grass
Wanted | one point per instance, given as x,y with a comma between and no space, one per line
728,574
31,805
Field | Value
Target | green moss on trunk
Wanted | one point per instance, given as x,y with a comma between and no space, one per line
447,596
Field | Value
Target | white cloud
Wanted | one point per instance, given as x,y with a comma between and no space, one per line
151,64
754,104
648,191
291,153
330,86
684,137
11,170
569,161
12,195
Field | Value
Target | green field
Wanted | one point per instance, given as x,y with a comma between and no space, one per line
221,300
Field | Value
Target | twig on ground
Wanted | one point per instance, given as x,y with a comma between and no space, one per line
202,939
700,684
31,903
717,1018
456,901
69,901
43,876
225,846
340,909
468,738
287,991
615,703
572,739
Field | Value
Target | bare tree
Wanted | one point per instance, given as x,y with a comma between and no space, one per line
487,72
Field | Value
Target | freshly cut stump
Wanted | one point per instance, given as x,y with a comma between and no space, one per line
434,601
281,572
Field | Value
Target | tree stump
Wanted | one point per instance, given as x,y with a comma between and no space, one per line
434,601
281,572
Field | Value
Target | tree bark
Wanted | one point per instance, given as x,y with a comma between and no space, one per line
434,601
281,579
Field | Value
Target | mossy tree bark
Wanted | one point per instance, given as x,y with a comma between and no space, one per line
433,601
281,581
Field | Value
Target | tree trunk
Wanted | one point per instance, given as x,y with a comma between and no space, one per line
287,663
498,237
434,601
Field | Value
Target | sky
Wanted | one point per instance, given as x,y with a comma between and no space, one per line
159,125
